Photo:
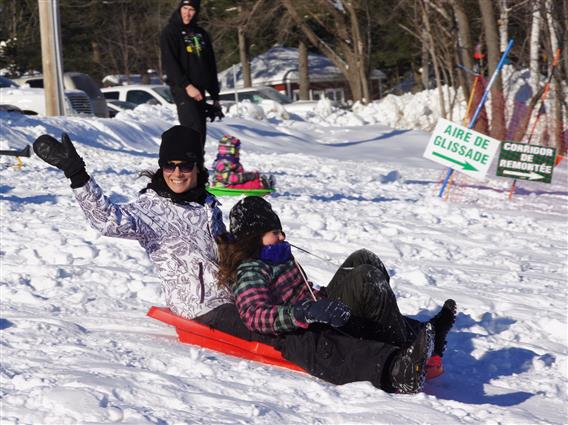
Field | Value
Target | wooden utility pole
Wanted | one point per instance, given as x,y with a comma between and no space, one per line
51,56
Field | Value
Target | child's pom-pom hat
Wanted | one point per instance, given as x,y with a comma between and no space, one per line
252,216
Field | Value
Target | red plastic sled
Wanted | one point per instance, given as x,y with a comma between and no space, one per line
191,332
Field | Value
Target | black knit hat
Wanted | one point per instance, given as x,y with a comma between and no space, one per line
193,3
180,143
252,216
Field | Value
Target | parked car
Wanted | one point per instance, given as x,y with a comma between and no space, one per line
74,81
116,106
32,100
10,108
154,94
260,93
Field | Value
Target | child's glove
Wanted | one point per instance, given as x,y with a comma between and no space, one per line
333,313
63,156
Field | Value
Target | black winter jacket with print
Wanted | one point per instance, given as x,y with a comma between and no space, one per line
188,58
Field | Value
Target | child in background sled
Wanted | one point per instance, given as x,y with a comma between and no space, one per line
274,297
230,173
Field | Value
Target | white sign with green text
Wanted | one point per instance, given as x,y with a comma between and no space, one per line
461,148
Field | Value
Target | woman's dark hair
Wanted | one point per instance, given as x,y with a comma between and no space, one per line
232,253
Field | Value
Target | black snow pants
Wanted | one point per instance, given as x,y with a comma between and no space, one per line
191,113
322,351
362,282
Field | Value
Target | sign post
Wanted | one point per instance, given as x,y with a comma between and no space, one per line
461,148
50,31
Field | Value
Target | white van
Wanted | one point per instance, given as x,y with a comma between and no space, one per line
74,81
31,101
154,94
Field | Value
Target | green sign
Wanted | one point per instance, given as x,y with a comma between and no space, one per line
461,148
526,162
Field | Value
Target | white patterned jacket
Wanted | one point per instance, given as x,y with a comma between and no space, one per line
178,238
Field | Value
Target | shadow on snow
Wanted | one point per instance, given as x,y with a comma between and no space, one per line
465,376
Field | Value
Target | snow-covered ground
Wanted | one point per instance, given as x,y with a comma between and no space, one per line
76,346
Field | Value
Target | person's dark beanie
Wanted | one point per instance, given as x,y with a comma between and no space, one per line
252,216
180,143
193,3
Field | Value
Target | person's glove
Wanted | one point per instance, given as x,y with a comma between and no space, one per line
63,156
214,111
333,313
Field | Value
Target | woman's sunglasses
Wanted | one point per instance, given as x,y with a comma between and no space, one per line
184,167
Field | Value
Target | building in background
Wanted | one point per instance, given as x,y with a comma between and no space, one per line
278,68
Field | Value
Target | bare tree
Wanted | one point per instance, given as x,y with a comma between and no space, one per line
431,47
339,31
565,43
244,55
553,25
534,50
504,10
498,129
303,70
465,44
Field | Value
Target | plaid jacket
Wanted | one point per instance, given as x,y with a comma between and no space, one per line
265,295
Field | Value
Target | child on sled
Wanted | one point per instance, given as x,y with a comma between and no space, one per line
228,171
274,297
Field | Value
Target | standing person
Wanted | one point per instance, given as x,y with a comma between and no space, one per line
274,297
189,62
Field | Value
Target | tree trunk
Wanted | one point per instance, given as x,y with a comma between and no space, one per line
465,45
432,50
498,129
244,56
303,72
348,52
425,74
96,53
555,106
503,25
359,53
565,43
534,49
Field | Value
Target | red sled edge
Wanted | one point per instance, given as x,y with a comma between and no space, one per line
191,332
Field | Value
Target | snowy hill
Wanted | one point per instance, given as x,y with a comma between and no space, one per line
76,346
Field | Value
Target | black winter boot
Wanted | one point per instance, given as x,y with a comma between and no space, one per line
408,366
441,324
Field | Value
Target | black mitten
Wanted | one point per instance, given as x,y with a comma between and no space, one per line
333,313
214,111
63,156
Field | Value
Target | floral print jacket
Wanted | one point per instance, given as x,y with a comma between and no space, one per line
178,238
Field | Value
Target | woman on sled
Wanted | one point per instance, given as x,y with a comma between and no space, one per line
176,221
274,297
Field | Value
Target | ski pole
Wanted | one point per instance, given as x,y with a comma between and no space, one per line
500,65
469,71
25,152
327,260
